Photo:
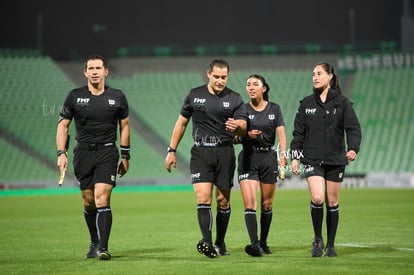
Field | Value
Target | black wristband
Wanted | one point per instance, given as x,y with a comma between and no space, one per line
60,152
125,152
170,149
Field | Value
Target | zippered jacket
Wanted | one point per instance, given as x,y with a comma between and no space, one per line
324,132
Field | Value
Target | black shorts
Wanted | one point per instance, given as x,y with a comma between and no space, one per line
213,164
95,166
329,172
261,166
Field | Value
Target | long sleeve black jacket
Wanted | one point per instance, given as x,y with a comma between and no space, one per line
320,130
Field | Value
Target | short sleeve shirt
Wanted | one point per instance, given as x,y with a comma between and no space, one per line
209,112
96,117
266,121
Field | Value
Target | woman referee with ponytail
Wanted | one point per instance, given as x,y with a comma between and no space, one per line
321,123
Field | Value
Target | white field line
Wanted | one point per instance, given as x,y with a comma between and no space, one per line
374,245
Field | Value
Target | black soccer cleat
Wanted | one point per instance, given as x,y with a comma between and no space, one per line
265,248
330,251
103,255
254,250
317,246
207,249
93,251
221,249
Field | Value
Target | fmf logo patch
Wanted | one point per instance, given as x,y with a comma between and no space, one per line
80,100
199,101
309,111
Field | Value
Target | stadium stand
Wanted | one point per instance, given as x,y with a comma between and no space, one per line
18,166
157,99
33,87
384,102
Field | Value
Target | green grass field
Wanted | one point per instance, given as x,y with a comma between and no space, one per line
157,232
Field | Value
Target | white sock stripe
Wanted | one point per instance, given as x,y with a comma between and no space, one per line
211,220
250,212
333,209
316,206
224,211
106,209
97,226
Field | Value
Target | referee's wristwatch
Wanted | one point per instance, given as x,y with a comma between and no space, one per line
171,150
61,152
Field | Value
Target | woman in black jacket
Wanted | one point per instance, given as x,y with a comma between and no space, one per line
322,122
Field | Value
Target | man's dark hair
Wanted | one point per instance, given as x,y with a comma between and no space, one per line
219,63
96,57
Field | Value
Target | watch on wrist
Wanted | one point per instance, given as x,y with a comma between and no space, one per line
60,152
170,149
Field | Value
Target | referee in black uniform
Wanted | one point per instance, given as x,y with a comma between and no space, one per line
259,161
326,136
97,111
211,108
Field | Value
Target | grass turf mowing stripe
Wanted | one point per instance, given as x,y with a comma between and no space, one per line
74,190
376,246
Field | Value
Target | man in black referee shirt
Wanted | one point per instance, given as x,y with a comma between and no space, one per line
211,107
97,111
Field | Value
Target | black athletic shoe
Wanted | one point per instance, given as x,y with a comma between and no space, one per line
103,255
330,251
317,247
93,251
207,249
254,250
265,249
221,249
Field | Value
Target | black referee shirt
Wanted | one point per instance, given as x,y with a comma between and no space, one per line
96,117
209,113
266,121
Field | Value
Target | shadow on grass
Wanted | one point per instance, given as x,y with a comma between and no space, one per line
238,254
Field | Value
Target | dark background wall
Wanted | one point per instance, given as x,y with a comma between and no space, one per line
61,28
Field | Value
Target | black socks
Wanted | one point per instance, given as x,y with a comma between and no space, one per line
251,224
103,225
90,218
265,222
250,218
332,220
316,211
205,220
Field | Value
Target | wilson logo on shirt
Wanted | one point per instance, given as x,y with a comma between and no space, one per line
271,117
226,104
111,102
